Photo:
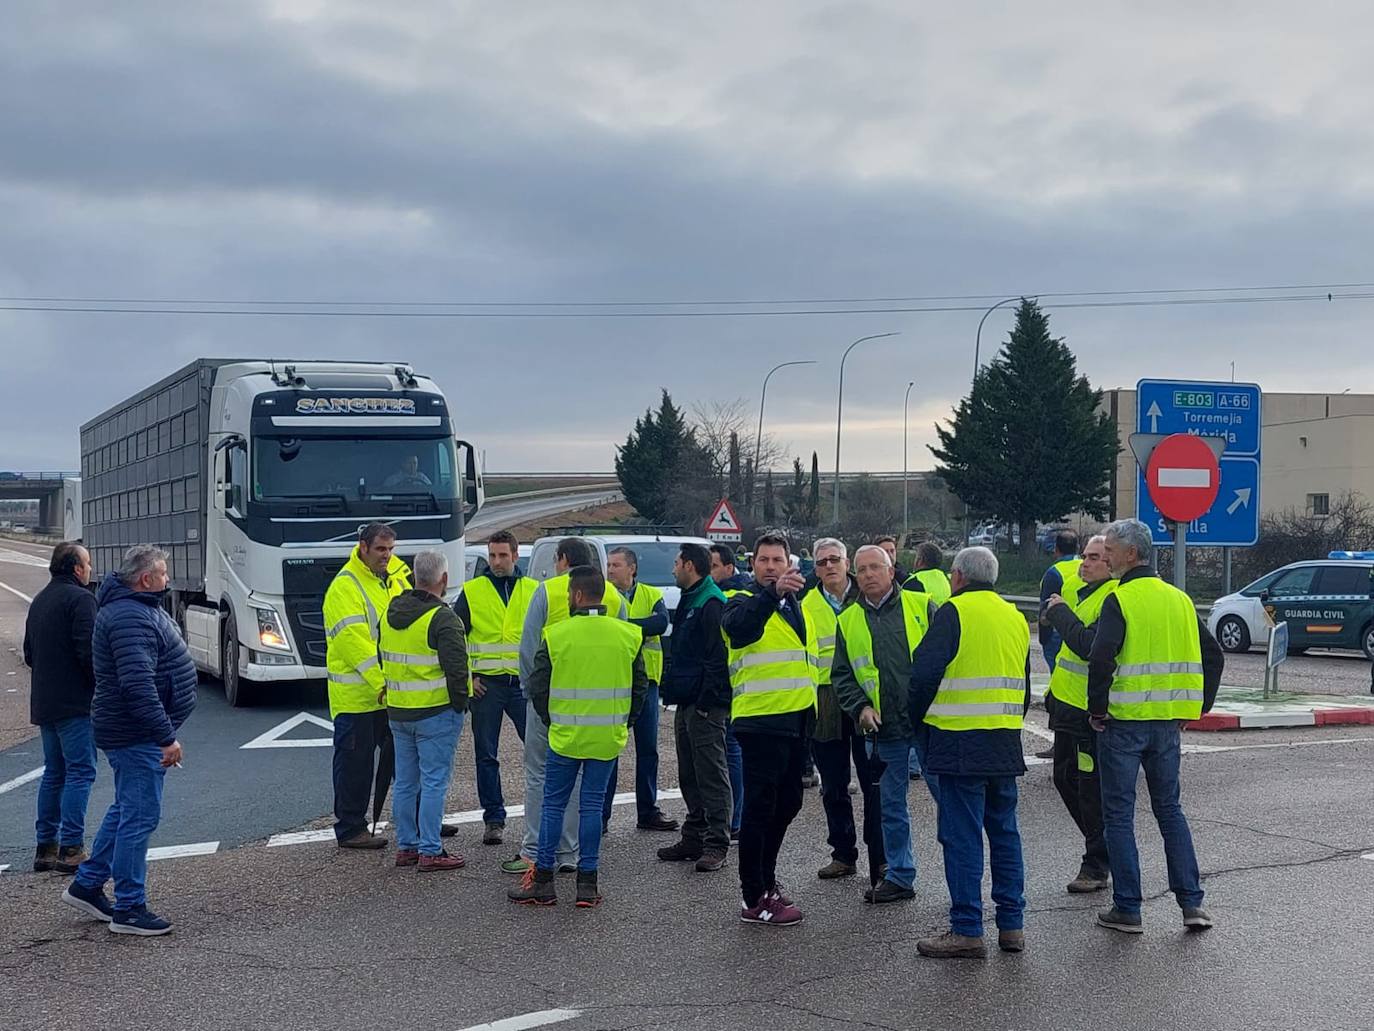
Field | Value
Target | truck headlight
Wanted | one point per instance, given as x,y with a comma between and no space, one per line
270,633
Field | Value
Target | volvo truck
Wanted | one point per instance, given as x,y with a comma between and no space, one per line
255,476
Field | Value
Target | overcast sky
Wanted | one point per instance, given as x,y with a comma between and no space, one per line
553,151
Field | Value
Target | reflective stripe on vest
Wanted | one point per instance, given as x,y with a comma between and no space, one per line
933,582
556,595
591,685
824,618
858,640
777,674
1159,668
640,606
414,678
494,636
984,686
1069,681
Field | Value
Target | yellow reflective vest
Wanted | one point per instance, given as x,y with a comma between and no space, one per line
777,674
591,685
494,637
824,618
984,686
353,607
858,639
410,667
641,605
1159,668
1069,681
933,582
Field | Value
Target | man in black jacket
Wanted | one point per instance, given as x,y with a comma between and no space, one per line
697,681
57,647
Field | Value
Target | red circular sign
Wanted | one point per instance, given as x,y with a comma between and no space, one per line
1183,477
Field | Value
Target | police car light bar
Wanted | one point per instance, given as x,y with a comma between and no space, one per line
1364,555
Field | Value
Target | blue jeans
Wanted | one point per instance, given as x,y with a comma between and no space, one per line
68,773
734,761
121,845
498,701
1124,747
892,796
560,773
645,732
970,807
424,763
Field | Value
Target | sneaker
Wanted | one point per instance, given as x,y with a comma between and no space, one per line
517,865
711,860
777,894
448,830
45,857
141,921
810,780
443,861
536,888
1011,941
952,946
1087,882
69,857
91,901
680,852
886,891
1127,923
364,839
588,895
567,868
493,833
657,821
836,869
407,857
1195,918
771,911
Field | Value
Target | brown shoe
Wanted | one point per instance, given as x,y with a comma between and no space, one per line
45,857
69,857
363,839
407,857
443,861
952,946
836,869
711,860
1011,941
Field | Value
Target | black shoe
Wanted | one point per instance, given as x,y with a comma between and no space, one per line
1127,923
680,852
886,891
141,921
448,830
1088,881
91,901
45,857
494,833
1195,918
588,894
657,822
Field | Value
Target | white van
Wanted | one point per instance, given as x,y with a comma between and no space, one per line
656,555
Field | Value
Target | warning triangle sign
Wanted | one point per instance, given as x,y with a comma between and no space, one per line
723,522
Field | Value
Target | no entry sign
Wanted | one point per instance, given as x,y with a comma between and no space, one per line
1183,477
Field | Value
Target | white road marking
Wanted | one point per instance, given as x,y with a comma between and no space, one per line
6,866
1367,855
21,780
273,738
1040,732
526,1021
470,816
200,848
18,594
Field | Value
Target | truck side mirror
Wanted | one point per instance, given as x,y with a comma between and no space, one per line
474,493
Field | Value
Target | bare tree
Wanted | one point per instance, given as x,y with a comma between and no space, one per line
715,420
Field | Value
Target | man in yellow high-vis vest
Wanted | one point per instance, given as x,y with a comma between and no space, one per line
928,577
353,607
646,610
970,686
587,684
1074,618
492,609
425,666
773,658
1153,667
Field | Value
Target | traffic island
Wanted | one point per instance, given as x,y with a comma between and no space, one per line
1239,708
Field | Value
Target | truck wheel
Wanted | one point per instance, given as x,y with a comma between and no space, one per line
1233,635
1367,645
235,692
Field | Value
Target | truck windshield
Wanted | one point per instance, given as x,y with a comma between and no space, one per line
353,469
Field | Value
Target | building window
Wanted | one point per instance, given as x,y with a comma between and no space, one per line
1319,504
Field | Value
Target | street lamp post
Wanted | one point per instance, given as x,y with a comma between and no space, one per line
839,414
906,522
977,352
763,396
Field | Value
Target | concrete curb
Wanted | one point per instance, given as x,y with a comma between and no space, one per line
1350,716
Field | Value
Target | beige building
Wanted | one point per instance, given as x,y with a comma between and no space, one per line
1313,449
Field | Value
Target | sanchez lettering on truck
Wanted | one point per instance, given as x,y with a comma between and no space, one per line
355,405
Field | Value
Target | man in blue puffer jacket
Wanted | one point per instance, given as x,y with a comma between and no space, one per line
145,687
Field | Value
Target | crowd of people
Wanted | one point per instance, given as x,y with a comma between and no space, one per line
863,672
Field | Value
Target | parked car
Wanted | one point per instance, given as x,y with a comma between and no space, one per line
656,556
1327,603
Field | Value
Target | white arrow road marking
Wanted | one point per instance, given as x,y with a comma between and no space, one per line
1242,498
526,1021
18,594
1185,477
273,738
200,848
1154,413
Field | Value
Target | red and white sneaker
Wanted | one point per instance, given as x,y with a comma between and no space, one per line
777,894
771,911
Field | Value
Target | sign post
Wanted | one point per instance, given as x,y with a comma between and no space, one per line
1275,657
723,525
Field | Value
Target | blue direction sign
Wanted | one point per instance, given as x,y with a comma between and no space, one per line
1231,411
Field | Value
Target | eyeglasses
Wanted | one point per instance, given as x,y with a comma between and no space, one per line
833,560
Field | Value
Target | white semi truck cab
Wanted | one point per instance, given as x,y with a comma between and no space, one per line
255,475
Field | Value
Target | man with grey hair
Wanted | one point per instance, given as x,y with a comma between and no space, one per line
1153,667
970,685
425,670
145,688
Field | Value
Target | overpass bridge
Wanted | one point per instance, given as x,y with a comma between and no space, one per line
58,495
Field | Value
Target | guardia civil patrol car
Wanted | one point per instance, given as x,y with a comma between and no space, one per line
1328,603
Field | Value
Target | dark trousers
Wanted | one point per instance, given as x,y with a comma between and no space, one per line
833,759
1075,775
772,799
358,736
645,735
703,775
500,701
